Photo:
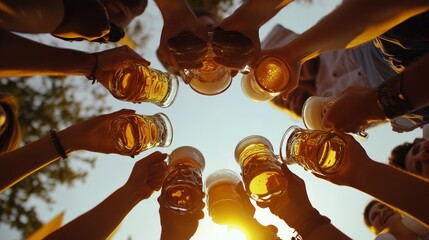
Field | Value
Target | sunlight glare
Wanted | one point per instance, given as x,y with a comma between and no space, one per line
234,234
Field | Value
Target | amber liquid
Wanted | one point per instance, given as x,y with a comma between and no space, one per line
133,134
224,203
272,74
137,83
317,151
182,189
262,174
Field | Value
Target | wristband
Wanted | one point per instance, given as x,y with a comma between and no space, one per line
91,76
391,98
57,144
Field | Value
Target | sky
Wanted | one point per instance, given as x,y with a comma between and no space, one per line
214,125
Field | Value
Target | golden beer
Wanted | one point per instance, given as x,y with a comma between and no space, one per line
136,83
182,190
262,174
132,134
223,200
321,152
269,78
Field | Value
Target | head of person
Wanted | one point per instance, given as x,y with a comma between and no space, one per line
206,18
306,88
412,157
378,217
10,134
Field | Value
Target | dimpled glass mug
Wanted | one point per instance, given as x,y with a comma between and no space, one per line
182,189
133,133
261,169
318,151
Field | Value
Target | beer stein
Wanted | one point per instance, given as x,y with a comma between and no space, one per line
182,189
261,170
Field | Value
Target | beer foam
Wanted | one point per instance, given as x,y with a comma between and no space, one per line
188,152
253,139
252,90
312,113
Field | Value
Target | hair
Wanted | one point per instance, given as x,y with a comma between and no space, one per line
399,153
366,216
10,133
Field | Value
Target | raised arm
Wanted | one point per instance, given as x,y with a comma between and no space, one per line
27,58
295,209
358,107
86,135
399,189
101,221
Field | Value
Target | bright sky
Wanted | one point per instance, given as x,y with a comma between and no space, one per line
215,125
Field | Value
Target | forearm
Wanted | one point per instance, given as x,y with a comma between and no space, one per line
102,220
18,164
256,13
352,23
415,82
395,187
171,9
24,57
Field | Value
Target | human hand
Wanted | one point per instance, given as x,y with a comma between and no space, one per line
355,160
235,49
355,109
175,226
293,205
93,134
109,60
183,43
147,175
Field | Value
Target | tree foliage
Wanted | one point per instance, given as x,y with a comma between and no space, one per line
46,103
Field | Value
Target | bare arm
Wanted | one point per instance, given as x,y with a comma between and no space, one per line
42,16
397,188
358,107
103,219
294,207
18,164
352,23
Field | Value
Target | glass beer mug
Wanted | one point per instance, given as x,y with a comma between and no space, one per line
131,134
223,201
182,190
269,78
261,169
212,78
136,83
321,152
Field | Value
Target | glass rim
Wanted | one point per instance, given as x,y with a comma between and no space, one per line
284,65
247,141
284,142
168,128
189,152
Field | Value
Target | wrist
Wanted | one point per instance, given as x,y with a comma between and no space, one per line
391,98
312,221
